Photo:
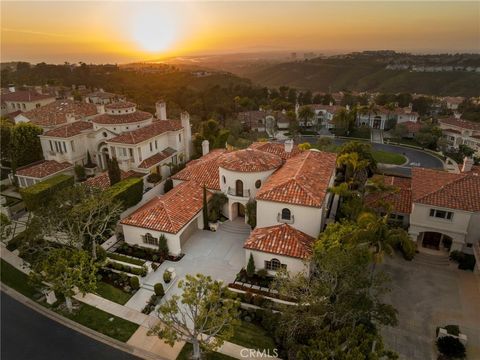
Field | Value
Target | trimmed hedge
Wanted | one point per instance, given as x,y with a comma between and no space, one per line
128,269
129,191
38,195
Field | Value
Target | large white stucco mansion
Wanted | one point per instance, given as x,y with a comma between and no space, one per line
289,186
139,141
461,132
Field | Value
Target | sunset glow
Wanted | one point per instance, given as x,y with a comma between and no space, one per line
127,31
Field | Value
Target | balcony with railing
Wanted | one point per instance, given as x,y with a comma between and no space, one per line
290,220
239,193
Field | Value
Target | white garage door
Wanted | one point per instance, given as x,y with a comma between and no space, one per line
188,231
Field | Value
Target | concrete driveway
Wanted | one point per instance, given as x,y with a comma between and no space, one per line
219,254
427,296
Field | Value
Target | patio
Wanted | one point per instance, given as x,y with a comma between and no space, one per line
219,254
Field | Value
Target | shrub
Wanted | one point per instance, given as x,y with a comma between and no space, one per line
452,329
251,266
262,273
129,191
126,259
451,347
155,266
259,300
80,172
167,276
158,288
38,195
408,249
467,263
154,178
456,256
251,209
134,282
168,185
101,253
163,247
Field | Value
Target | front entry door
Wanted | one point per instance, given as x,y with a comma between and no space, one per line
431,240
241,210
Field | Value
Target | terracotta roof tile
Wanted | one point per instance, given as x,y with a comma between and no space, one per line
412,126
452,131
303,180
401,200
281,240
276,149
443,189
120,105
102,181
249,160
24,96
464,124
203,170
69,130
170,212
155,159
129,118
56,113
42,169
147,132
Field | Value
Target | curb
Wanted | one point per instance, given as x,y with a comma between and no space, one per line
78,327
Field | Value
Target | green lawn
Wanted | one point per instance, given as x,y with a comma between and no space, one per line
188,349
99,320
15,279
385,157
253,336
112,293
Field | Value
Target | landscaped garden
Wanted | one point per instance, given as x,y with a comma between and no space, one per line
113,293
385,157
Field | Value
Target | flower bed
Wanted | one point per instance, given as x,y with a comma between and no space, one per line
260,278
140,271
146,254
126,259
259,292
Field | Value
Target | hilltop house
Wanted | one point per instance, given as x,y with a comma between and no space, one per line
384,119
261,120
288,185
461,132
138,141
16,102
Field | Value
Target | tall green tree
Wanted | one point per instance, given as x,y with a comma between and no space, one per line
344,121
202,316
306,114
25,145
6,128
114,173
66,270
205,209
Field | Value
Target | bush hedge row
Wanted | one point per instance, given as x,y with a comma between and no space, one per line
129,269
38,195
129,191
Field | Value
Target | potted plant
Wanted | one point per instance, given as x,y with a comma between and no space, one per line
167,276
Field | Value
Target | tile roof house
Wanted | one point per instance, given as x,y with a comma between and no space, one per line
22,101
102,181
290,187
42,170
461,132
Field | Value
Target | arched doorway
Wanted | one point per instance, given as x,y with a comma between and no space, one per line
239,188
103,156
436,241
237,210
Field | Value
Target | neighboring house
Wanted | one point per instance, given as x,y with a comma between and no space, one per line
103,98
452,102
102,181
137,140
289,186
23,101
323,116
461,132
58,113
260,120
42,170
412,128
385,119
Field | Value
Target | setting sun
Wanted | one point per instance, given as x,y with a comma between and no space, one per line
154,32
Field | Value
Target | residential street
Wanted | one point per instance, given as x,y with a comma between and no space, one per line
26,334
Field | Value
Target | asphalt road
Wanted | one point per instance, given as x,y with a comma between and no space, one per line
28,335
416,158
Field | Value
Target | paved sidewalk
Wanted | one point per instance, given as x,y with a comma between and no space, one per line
14,259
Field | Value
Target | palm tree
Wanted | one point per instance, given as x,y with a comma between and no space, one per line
354,168
305,114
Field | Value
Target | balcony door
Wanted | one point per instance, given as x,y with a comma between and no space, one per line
239,188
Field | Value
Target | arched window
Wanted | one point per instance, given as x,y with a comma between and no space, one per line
286,214
104,134
258,183
150,239
274,265
239,188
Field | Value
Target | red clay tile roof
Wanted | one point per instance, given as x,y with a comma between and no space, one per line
104,95
443,189
255,118
24,96
42,169
68,130
55,113
102,181
401,200
249,160
155,159
452,131
120,105
276,149
281,240
170,212
303,180
412,126
203,170
464,124
109,119
156,128
330,108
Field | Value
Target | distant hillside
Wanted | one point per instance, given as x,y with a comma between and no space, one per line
361,74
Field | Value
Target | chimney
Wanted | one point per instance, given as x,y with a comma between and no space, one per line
187,133
70,117
347,107
161,108
330,103
288,146
467,164
205,147
457,115
100,109
11,87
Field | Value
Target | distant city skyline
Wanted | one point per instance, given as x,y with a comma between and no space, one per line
120,32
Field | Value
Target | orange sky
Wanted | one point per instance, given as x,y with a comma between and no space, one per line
127,31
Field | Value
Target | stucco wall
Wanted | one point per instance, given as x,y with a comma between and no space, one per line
473,230
133,236
248,179
294,265
306,219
